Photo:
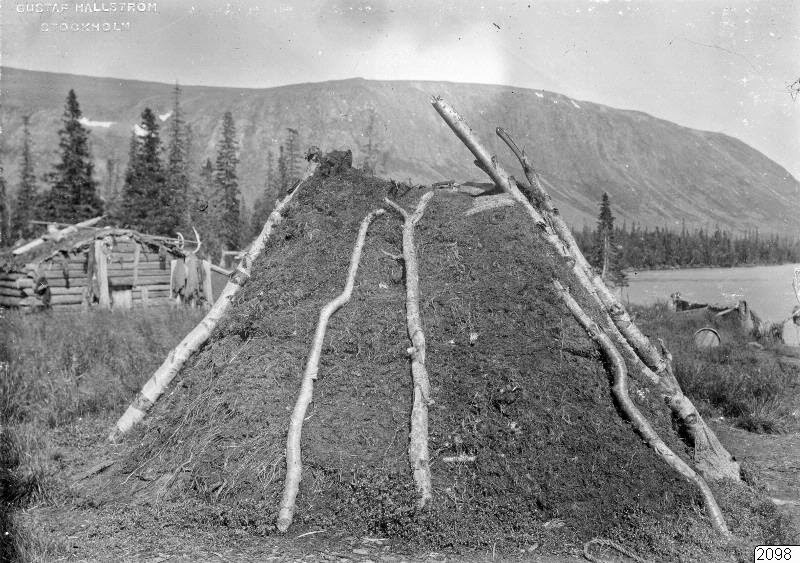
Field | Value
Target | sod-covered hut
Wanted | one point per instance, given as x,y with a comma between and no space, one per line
529,454
106,267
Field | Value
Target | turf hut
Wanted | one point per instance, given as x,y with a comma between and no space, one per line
105,267
484,420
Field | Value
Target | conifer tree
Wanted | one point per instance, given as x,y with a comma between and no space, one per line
113,193
265,201
177,184
605,255
5,212
292,156
145,200
283,171
207,210
73,196
27,201
371,145
228,183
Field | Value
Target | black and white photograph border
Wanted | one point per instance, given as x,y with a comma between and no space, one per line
355,280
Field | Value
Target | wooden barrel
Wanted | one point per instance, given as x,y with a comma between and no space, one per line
706,338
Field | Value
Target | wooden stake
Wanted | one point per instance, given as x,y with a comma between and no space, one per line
100,259
639,422
418,436
294,464
176,359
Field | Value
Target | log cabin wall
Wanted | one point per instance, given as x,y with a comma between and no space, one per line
137,272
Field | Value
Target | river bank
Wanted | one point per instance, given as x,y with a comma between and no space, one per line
767,289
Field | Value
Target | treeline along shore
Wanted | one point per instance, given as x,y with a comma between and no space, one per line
640,248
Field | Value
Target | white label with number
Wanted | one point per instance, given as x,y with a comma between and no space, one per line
776,553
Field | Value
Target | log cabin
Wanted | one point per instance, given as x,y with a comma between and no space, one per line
107,268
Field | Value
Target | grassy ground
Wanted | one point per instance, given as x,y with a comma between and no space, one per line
58,370
753,388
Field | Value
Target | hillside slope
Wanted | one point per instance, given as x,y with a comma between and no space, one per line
655,171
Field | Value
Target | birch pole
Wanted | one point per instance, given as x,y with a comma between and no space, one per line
656,368
712,457
418,436
192,342
294,464
639,422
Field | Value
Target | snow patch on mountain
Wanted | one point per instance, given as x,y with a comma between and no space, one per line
86,122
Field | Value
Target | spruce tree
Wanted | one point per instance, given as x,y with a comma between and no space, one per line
371,145
205,206
5,212
73,196
283,171
207,210
605,255
113,193
292,156
27,204
177,184
145,200
228,183
265,201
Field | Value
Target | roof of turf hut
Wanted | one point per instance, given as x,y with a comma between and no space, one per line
555,465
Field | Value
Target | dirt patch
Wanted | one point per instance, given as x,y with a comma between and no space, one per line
516,383
775,464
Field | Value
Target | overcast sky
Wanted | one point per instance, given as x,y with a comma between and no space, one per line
720,66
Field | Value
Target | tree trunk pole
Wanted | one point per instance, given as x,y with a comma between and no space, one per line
639,422
294,464
656,368
418,453
192,342
712,458
101,260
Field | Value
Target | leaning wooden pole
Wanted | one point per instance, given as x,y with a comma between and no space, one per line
294,465
192,342
418,453
654,367
637,420
712,459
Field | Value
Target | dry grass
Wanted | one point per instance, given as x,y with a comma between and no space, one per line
750,387
56,369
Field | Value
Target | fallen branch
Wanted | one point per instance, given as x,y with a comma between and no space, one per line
294,464
418,435
192,342
653,367
637,420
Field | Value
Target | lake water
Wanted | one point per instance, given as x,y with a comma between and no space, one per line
767,289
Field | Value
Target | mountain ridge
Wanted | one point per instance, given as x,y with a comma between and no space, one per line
656,172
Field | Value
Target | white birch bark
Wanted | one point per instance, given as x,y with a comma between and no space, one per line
192,342
418,453
294,464
639,422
